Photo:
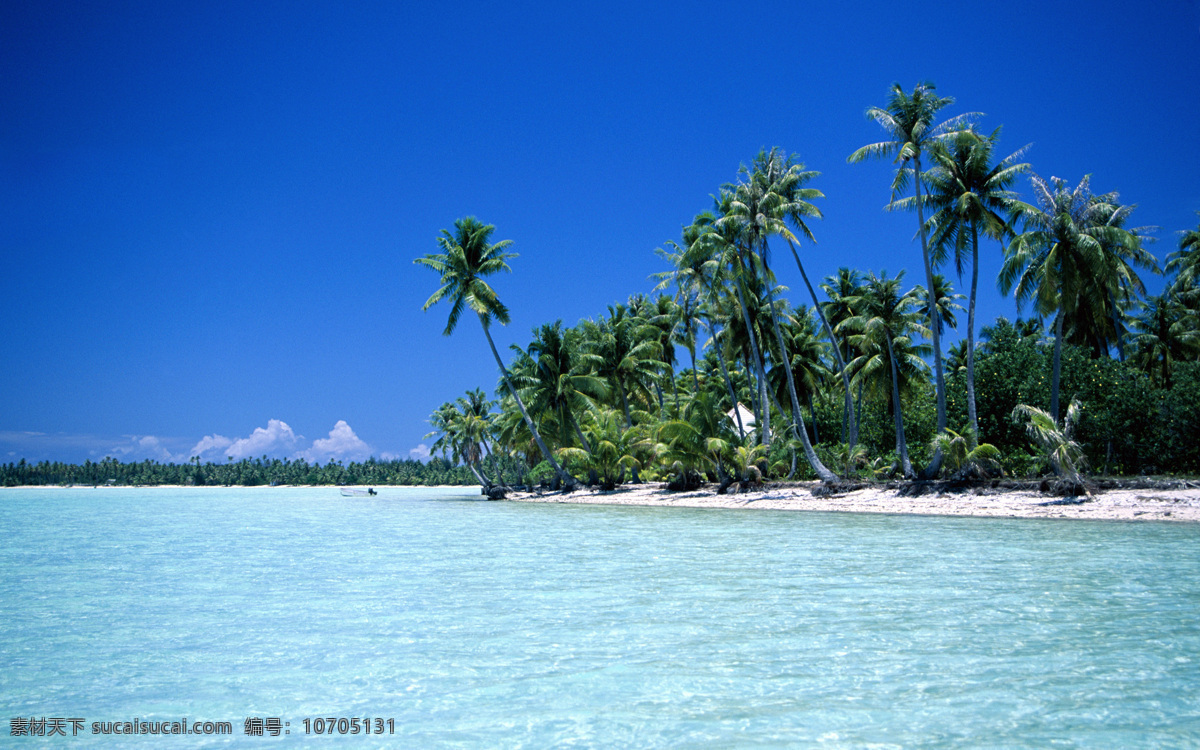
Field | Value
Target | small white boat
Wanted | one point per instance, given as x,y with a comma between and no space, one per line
353,492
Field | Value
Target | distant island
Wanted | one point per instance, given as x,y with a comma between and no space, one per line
246,473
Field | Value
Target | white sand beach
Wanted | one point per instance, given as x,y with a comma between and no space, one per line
1179,505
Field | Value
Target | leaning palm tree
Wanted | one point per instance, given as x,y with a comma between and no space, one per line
1060,259
970,195
1056,442
909,122
886,316
758,207
788,178
468,257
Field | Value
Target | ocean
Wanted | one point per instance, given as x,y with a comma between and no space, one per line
437,619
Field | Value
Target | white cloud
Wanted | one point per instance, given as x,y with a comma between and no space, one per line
276,439
342,443
140,448
420,453
210,444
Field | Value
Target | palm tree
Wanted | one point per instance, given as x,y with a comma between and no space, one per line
807,361
625,353
688,275
468,257
945,302
1101,322
561,383
970,195
614,448
888,317
787,178
956,358
1061,259
1167,334
758,207
462,428
734,235
909,122
701,266
1185,262
840,289
1056,441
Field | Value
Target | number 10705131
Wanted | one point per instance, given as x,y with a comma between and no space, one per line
355,725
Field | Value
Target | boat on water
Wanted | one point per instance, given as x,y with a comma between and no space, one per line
354,492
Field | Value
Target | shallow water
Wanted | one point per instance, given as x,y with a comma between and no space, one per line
476,624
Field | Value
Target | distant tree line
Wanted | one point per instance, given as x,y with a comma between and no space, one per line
247,472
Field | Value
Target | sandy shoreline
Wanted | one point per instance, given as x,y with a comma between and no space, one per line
1182,505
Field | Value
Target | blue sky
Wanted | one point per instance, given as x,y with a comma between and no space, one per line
208,215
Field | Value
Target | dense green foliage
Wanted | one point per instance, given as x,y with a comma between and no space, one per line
255,472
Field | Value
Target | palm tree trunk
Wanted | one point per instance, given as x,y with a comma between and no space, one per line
1116,319
579,433
813,413
935,464
563,476
858,408
971,413
823,473
841,363
1058,334
695,377
933,318
901,443
625,404
737,414
764,419
785,360
751,387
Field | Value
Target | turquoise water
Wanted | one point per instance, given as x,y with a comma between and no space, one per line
476,624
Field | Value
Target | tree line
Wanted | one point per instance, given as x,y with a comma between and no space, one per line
247,472
854,381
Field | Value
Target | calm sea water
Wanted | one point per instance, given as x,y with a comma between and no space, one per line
476,624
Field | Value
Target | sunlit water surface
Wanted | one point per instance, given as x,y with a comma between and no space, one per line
477,624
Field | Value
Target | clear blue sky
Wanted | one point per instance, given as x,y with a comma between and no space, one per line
208,215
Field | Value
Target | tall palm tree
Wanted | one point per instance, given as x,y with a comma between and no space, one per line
687,275
468,257
970,195
701,265
1102,324
734,235
840,289
768,196
909,122
1060,259
788,178
886,316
